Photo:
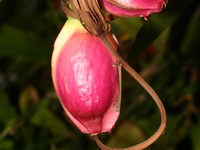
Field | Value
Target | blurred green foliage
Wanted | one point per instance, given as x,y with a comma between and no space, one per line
165,50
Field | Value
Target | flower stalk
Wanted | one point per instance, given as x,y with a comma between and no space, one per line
141,81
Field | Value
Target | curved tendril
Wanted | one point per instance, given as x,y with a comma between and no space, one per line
66,9
157,100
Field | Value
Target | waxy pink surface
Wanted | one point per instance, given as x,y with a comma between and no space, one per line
87,83
133,8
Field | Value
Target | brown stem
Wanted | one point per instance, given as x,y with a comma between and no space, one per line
140,80
111,18
66,9
90,16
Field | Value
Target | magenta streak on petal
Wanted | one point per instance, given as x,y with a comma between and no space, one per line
138,4
133,8
88,83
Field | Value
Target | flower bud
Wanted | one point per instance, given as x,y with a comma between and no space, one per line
133,8
85,79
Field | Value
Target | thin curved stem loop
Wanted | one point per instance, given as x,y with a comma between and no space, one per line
142,82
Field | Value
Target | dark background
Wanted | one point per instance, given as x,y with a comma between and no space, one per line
165,50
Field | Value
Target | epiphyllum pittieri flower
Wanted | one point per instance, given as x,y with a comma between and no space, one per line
133,8
86,79
84,68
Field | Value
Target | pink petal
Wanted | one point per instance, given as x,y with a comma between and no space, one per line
133,8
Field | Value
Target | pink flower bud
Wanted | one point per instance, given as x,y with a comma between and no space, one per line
133,8
85,79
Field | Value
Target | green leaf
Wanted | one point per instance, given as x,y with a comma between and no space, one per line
44,118
28,98
191,41
54,14
7,111
23,45
195,136
6,144
191,88
160,42
126,135
156,25
128,25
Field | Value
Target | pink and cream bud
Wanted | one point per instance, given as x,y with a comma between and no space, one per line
85,79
